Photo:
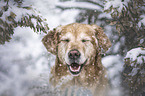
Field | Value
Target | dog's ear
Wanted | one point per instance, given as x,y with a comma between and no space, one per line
103,40
50,41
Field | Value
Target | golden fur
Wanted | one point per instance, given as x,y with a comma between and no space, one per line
65,38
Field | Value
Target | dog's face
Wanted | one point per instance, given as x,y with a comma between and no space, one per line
75,45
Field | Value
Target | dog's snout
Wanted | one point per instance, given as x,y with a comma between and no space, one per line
74,54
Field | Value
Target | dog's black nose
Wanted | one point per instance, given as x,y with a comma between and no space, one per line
74,54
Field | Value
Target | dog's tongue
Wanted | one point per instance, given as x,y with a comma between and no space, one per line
75,67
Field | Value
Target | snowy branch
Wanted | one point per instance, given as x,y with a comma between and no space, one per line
79,5
135,60
12,16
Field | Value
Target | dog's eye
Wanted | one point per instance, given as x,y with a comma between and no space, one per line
66,40
84,40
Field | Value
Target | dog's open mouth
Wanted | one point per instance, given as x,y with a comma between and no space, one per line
75,68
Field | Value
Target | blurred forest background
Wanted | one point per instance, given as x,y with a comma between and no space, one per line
25,64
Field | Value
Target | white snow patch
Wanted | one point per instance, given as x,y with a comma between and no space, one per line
142,21
18,11
104,15
134,53
134,71
114,65
115,4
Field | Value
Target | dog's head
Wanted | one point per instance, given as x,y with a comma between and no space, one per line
76,44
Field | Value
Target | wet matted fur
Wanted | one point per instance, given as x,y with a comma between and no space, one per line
78,57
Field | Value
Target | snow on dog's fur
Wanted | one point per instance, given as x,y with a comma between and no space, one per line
78,56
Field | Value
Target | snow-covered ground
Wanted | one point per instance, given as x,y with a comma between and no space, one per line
23,60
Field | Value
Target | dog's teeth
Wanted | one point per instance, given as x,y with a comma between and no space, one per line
75,69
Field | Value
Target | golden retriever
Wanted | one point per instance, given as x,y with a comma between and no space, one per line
78,57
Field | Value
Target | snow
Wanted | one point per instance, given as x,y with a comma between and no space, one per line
136,57
142,21
114,65
83,5
22,60
54,16
13,8
104,15
118,4
115,4
133,72
134,53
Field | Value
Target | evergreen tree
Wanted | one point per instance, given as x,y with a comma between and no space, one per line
14,13
129,18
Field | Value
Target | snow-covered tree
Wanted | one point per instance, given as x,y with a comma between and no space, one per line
20,57
134,73
14,13
129,19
